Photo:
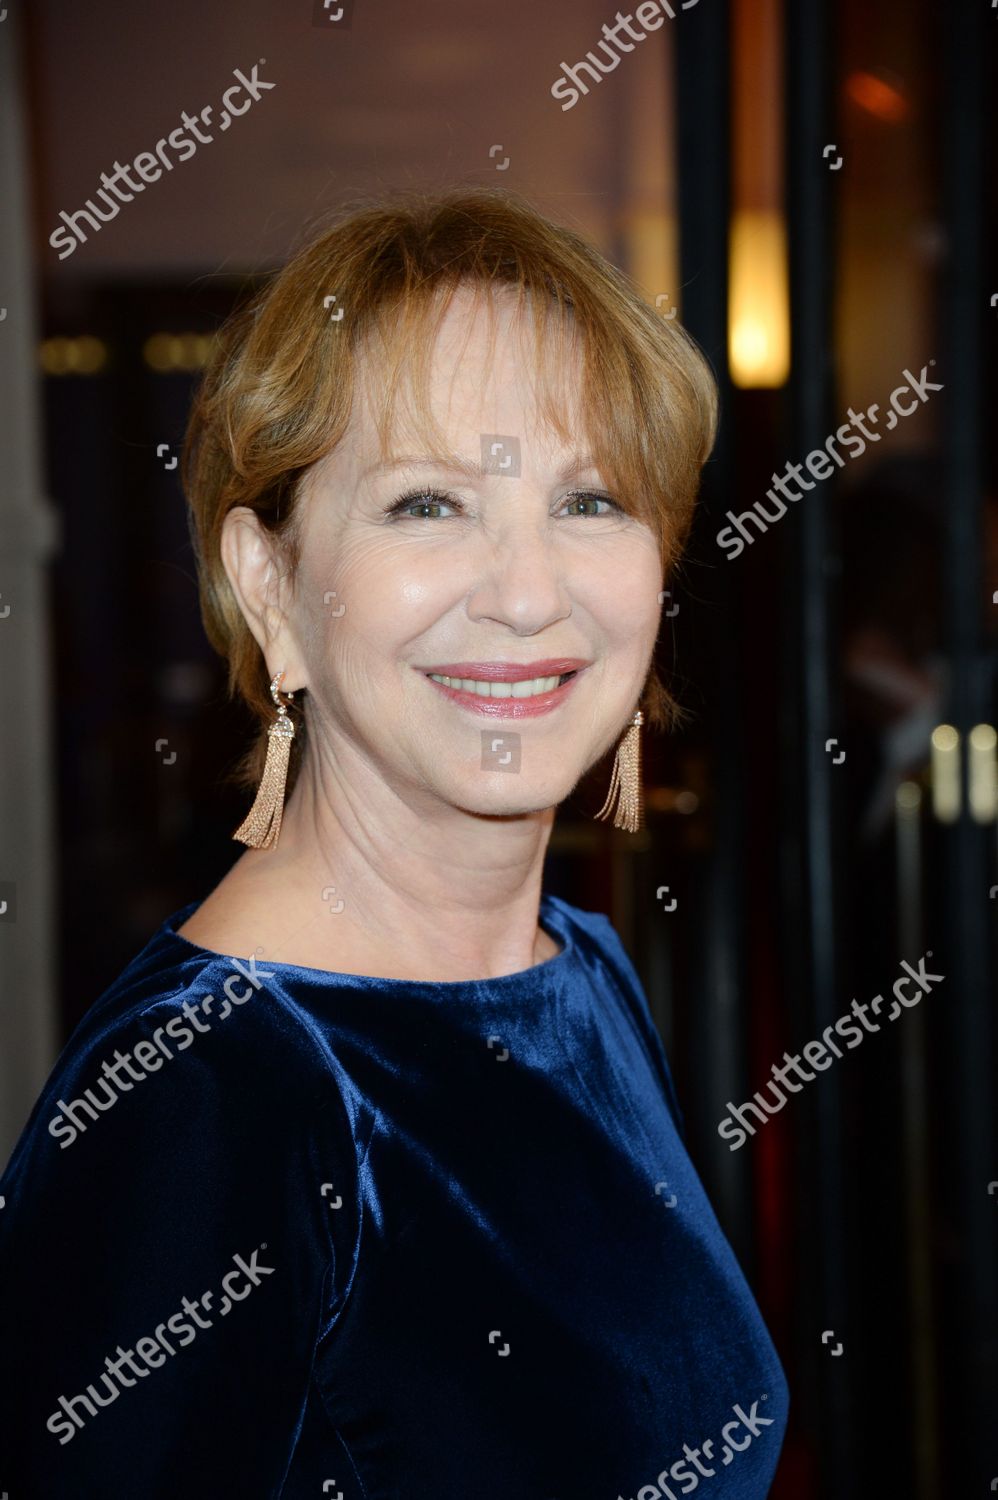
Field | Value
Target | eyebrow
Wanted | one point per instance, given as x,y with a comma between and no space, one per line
471,468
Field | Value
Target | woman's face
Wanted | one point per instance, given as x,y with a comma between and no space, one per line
519,566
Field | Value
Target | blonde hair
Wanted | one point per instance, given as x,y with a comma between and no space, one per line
277,391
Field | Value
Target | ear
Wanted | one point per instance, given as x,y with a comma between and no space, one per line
257,571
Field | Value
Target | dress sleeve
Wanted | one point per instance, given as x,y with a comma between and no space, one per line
169,1253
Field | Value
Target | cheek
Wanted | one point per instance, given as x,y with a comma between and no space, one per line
622,596
368,604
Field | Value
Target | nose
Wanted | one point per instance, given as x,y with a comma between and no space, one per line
520,576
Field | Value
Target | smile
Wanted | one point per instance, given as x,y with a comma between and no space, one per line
507,692
529,689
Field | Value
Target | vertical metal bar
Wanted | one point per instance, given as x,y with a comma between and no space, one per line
923,1393
28,534
809,74
718,1009
969,990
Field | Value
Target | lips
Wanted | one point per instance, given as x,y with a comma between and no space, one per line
568,668
509,671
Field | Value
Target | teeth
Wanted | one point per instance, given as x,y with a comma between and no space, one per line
526,689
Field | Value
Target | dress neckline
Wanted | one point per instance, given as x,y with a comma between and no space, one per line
552,917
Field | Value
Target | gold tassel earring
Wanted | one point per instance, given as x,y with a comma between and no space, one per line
625,783
262,825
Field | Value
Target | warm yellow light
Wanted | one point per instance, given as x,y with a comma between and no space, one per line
72,356
982,789
946,791
91,354
178,351
758,300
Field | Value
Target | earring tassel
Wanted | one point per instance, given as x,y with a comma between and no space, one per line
624,796
262,825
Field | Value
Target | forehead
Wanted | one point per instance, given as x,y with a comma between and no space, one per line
485,359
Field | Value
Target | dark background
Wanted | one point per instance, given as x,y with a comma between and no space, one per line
868,614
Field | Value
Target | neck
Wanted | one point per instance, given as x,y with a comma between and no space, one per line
418,887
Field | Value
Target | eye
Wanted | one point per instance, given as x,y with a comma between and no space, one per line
423,499
581,496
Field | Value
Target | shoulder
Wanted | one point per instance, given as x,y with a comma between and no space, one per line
595,936
600,946
187,1046
200,1014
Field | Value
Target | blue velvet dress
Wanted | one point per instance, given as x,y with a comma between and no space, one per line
275,1231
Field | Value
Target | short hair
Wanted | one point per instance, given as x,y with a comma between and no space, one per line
277,390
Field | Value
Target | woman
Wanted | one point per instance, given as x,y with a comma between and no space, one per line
410,1108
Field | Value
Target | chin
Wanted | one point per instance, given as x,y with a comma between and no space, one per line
515,803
